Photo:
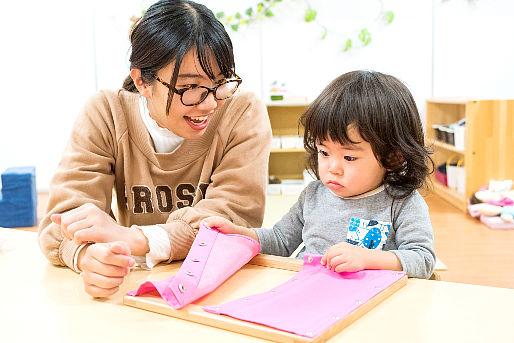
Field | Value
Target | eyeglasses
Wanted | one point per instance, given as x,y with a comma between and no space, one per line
194,95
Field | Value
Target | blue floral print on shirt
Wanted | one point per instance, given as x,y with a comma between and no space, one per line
371,234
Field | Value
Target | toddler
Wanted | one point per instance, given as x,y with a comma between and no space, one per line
365,144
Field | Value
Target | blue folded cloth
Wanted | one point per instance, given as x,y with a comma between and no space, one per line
18,200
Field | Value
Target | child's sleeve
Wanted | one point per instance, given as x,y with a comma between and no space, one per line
414,237
286,235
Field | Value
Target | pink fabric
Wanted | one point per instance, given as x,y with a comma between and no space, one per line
502,202
213,258
312,301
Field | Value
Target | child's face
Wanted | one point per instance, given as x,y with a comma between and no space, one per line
350,169
185,121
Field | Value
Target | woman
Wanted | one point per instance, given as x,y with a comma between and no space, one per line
175,144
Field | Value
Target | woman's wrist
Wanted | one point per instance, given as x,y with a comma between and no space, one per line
138,242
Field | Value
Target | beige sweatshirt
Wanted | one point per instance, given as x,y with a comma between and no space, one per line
221,173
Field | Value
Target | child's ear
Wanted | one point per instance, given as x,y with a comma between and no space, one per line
144,89
394,160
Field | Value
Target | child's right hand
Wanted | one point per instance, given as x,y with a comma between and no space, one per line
226,226
221,224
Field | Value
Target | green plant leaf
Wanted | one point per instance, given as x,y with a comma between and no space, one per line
365,36
348,45
389,17
310,15
260,5
249,11
229,18
268,13
238,15
324,35
220,15
235,27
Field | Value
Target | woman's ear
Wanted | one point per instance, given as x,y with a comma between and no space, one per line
144,89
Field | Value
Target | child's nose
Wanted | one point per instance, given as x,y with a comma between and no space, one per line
335,168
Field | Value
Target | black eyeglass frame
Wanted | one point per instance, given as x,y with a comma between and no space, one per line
209,90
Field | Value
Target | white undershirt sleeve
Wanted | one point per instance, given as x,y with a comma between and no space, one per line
159,243
76,257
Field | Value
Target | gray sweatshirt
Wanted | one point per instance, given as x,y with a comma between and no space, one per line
374,220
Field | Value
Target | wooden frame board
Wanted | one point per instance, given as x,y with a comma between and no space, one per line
259,275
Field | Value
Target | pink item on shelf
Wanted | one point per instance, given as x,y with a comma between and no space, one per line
441,177
213,258
312,301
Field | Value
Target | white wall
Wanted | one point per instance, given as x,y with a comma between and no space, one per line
474,49
55,54
47,73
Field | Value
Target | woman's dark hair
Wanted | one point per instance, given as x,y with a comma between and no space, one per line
171,28
383,111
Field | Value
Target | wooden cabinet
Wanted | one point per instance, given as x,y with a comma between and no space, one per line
286,163
489,147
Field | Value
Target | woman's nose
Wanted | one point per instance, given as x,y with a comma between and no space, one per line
209,103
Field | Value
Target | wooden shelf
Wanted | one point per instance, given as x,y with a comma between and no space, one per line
455,198
285,103
287,150
446,146
489,142
284,118
454,100
283,177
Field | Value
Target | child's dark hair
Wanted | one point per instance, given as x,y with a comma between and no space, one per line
171,28
383,111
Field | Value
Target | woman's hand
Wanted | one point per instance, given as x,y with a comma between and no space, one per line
104,267
226,226
345,257
88,223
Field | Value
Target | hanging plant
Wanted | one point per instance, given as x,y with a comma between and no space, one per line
362,35
264,9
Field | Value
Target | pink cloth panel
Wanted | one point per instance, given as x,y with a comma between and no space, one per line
311,301
213,258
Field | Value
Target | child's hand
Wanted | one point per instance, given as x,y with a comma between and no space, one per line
104,267
226,226
345,257
220,223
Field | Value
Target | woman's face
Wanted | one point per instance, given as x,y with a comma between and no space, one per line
185,121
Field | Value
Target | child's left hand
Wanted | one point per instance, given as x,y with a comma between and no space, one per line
345,257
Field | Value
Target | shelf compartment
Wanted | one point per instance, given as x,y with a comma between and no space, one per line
284,119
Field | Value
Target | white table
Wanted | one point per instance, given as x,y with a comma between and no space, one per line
43,303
